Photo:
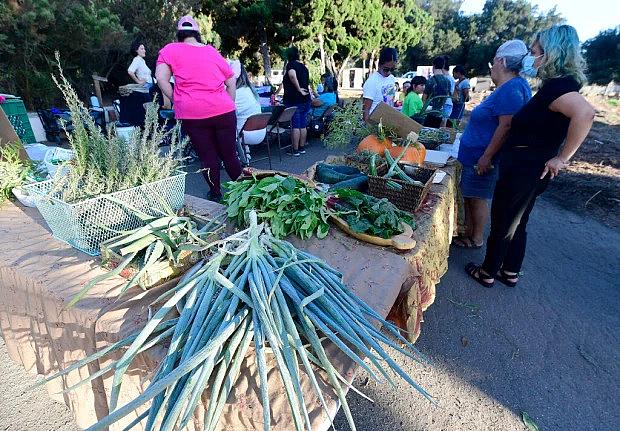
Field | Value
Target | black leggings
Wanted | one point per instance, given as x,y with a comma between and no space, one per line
517,188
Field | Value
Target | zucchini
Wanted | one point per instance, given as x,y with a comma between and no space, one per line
395,169
360,183
328,175
343,169
373,165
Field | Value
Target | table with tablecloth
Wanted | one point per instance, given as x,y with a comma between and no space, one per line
39,275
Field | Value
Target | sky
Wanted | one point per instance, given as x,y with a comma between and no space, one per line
589,17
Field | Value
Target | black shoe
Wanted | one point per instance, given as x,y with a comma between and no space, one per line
214,197
293,153
302,151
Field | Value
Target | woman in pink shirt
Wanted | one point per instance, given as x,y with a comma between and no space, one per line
203,97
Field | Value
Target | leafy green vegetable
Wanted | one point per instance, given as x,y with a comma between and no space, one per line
290,206
13,170
369,215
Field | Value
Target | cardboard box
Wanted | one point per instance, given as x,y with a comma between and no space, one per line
394,118
8,135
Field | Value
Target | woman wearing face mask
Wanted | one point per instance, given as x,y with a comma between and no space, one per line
543,137
380,86
485,134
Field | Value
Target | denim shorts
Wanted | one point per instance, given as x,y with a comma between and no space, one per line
478,186
300,118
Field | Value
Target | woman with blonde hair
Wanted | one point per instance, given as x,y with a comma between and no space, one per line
543,137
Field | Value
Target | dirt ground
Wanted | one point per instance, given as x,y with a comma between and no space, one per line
591,184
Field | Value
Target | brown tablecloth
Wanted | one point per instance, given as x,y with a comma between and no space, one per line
39,275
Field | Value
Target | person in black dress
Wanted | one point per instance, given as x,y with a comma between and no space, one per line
543,137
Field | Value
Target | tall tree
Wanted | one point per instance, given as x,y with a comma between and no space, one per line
87,34
446,37
602,54
250,26
404,24
502,20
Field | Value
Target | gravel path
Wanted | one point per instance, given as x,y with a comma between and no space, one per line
550,347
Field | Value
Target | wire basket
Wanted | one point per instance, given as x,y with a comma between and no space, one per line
409,196
86,224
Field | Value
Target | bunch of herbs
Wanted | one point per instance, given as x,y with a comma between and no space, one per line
347,127
14,171
106,163
369,215
291,206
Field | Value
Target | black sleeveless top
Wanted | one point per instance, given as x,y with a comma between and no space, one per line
538,128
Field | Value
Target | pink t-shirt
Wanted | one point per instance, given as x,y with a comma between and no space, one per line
199,75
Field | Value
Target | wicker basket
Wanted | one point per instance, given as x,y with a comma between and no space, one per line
161,271
86,224
410,196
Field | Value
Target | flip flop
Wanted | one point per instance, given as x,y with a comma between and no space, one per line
474,271
466,242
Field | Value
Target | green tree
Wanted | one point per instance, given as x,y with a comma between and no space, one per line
447,36
404,24
248,27
502,20
602,54
87,34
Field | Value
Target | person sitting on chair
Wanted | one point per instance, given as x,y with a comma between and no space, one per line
325,99
246,104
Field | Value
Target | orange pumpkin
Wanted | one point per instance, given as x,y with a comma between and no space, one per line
414,154
373,144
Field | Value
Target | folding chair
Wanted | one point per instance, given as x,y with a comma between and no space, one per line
254,122
280,127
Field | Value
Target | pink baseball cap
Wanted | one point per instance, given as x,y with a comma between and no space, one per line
188,23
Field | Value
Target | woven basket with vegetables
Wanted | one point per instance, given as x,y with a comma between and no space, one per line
405,190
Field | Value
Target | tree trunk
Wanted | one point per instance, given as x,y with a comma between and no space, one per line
333,69
322,50
343,65
371,61
264,51
364,57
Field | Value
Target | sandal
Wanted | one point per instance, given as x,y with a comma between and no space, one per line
466,242
475,272
507,279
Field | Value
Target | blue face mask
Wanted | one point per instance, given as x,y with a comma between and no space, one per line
528,68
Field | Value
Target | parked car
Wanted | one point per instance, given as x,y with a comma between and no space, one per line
276,77
406,77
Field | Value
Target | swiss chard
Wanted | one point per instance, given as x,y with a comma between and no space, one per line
286,202
369,215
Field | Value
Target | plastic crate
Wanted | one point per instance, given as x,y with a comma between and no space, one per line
18,117
86,224
13,107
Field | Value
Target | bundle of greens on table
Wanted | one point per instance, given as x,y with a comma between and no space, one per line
369,215
289,204
256,290
163,239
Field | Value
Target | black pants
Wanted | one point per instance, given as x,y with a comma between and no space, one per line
517,188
